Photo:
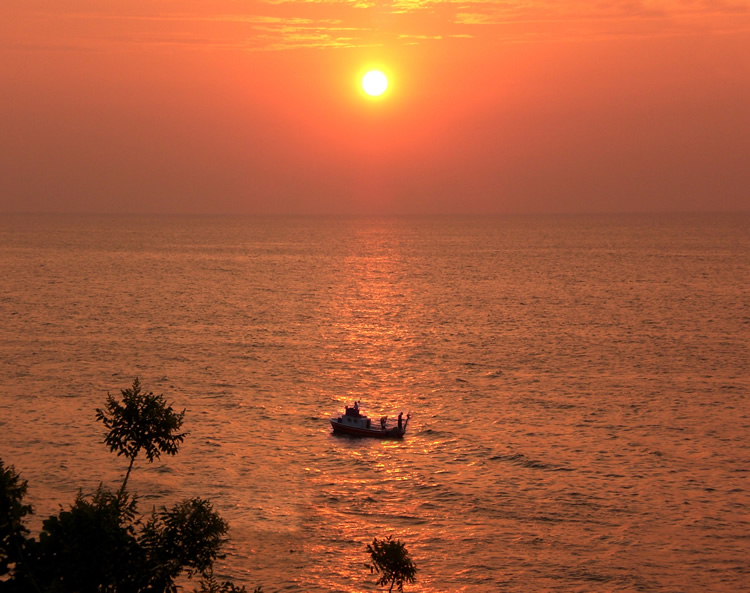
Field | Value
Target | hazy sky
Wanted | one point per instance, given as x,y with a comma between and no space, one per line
250,106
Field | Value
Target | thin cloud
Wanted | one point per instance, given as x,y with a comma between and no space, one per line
273,25
518,20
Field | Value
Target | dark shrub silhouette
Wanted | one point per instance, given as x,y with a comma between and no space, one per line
12,511
141,421
390,559
101,544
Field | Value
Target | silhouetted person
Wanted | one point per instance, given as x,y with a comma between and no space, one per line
400,414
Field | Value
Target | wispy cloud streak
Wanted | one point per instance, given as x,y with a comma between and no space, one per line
269,25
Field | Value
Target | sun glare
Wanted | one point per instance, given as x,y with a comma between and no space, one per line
374,83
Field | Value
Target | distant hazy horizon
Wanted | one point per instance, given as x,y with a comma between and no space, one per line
371,214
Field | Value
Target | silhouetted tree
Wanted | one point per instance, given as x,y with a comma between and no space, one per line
186,538
142,421
92,546
12,511
101,544
390,559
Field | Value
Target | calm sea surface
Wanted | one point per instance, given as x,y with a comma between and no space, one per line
579,390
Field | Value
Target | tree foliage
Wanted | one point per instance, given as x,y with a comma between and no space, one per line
390,559
12,511
141,421
91,546
186,538
101,544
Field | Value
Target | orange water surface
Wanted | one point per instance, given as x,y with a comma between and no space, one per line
578,389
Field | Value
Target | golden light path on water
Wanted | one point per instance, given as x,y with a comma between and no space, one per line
367,309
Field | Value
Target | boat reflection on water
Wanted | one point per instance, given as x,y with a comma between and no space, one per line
354,423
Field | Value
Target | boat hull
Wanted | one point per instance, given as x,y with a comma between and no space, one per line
375,433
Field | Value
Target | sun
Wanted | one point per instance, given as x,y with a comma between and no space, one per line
374,83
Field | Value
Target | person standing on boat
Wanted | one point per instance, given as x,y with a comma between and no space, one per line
400,415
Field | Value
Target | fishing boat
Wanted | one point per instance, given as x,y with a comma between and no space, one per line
355,423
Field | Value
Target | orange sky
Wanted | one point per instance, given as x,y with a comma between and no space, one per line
249,106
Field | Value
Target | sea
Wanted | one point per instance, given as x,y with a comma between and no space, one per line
578,389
